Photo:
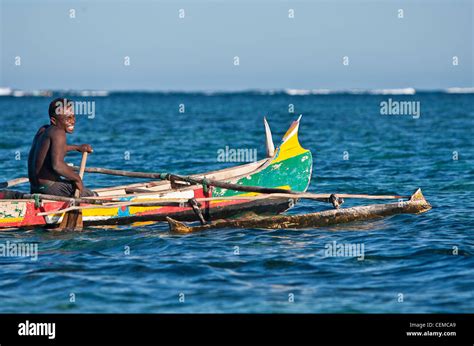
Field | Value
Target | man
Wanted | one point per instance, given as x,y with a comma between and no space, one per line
46,163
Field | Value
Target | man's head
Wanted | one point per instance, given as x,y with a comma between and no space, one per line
61,114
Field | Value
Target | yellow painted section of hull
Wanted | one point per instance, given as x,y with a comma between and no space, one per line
289,149
14,219
115,211
135,210
100,212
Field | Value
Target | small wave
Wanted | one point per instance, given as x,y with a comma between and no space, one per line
19,93
302,92
97,93
37,93
459,90
22,93
404,91
5,91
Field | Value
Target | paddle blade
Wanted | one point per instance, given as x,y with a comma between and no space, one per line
72,221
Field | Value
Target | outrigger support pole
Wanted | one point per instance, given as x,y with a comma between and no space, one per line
197,210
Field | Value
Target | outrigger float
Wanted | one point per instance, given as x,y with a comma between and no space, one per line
415,205
220,198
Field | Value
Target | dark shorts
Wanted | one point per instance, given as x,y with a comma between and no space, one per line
61,188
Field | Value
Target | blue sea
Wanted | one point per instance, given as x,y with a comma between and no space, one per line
412,263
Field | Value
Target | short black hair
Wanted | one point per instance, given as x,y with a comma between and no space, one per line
58,102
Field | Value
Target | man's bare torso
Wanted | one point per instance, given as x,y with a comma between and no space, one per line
39,160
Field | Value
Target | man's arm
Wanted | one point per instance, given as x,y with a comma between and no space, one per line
58,151
82,148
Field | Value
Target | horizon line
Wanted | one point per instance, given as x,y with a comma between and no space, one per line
7,91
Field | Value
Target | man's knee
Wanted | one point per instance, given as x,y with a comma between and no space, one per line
88,193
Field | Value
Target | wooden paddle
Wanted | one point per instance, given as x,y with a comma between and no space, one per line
13,182
72,221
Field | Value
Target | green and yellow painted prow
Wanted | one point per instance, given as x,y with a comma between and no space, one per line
289,167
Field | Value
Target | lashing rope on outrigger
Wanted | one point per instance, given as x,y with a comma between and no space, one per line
36,197
192,181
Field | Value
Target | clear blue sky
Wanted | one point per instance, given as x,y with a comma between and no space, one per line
196,53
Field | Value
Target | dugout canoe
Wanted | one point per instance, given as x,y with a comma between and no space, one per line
415,205
289,167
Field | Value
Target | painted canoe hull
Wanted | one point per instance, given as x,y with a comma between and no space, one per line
289,168
417,204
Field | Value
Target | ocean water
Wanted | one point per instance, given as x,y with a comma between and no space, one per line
412,263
